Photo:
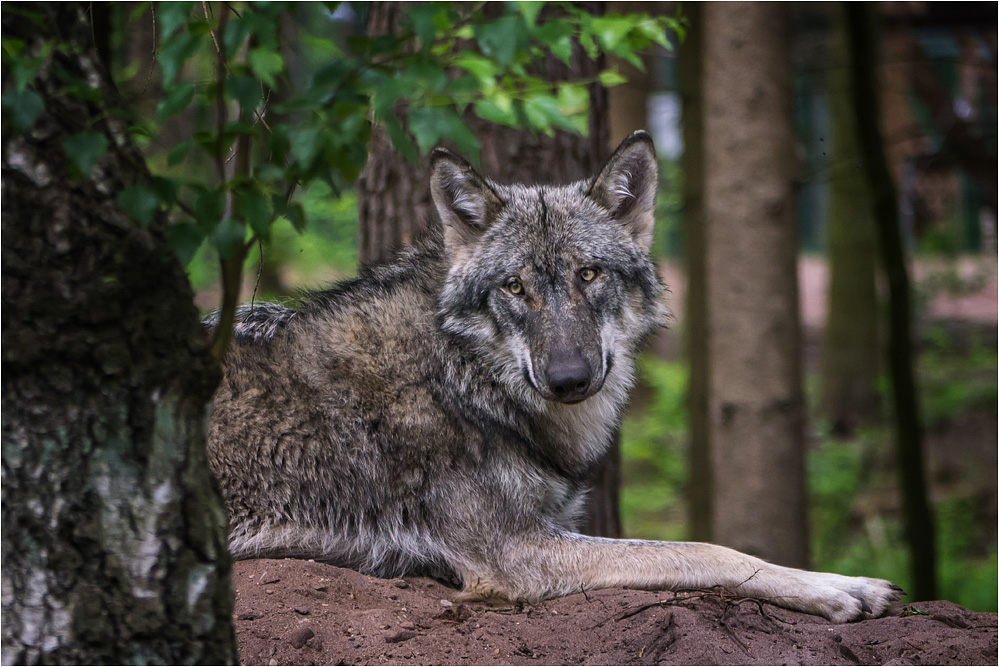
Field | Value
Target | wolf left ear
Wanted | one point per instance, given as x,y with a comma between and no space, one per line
465,202
626,186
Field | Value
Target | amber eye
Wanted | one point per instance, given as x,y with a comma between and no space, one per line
587,274
514,286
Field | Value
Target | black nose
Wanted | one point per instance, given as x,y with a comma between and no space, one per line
568,377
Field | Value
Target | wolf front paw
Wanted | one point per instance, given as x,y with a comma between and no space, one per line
856,598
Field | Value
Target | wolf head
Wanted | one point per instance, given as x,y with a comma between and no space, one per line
554,284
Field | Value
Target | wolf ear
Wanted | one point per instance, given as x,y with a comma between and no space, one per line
626,186
465,202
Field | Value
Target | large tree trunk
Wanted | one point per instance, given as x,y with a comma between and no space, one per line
756,406
114,545
850,346
695,326
917,516
394,197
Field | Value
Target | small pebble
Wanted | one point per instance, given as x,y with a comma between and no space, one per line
407,625
447,603
400,584
300,636
400,636
302,610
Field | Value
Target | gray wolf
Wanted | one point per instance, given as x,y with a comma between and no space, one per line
441,413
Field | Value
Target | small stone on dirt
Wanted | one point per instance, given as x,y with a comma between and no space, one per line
407,625
400,636
400,584
302,610
300,636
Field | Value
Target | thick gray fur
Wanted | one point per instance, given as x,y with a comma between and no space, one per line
441,413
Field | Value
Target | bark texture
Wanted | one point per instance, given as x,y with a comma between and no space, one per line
850,346
394,196
916,514
755,406
114,545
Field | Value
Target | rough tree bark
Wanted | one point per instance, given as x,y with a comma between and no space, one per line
114,545
756,405
695,329
394,196
916,514
850,345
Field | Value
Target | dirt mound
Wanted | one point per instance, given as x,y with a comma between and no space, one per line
307,613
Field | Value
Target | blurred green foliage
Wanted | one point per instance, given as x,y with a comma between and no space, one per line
653,440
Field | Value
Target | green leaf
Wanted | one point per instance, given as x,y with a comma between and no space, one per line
429,124
611,30
502,38
611,77
497,110
269,172
293,212
399,139
23,108
166,190
185,238
208,208
542,112
176,100
304,145
246,90
172,15
530,10
483,69
179,152
420,17
252,206
266,64
562,49
84,149
139,203
227,236
174,52
235,34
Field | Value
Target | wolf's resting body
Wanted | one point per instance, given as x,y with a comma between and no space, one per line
441,413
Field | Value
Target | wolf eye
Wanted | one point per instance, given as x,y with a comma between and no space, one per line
587,274
514,286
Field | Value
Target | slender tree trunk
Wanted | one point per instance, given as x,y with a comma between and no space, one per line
695,329
114,546
394,197
756,406
917,516
850,345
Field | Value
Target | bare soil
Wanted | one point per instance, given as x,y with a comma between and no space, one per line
295,612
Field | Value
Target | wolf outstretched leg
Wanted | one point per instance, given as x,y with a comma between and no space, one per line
553,566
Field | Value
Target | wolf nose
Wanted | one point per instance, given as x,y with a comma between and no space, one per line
569,378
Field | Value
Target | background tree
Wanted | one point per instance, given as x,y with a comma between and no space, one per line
755,406
695,327
917,517
850,346
114,545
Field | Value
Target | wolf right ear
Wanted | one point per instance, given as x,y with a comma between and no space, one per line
464,200
626,186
